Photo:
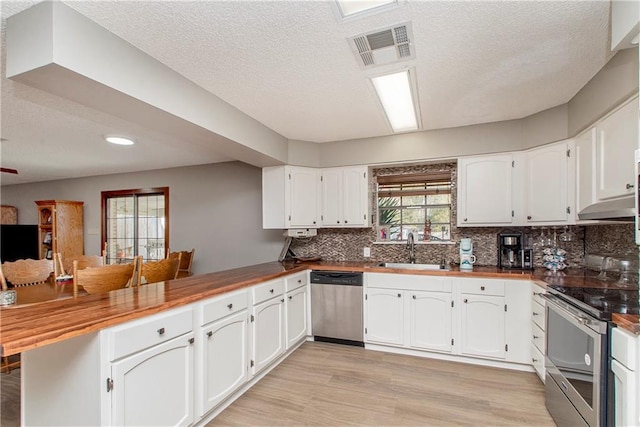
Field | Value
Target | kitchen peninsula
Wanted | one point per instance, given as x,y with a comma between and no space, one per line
80,348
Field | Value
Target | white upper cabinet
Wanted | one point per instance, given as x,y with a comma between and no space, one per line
300,197
585,169
344,197
485,190
547,188
290,197
617,139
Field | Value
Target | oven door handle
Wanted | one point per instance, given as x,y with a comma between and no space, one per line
593,324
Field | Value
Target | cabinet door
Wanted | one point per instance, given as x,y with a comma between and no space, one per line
431,320
268,333
626,395
547,184
355,191
385,323
483,326
224,359
332,197
303,197
617,141
137,400
296,303
485,190
586,169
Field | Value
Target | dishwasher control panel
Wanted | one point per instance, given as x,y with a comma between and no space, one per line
349,278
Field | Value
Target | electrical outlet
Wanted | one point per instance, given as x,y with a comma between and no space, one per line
367,252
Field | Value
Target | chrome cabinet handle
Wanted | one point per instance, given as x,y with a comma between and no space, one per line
161,331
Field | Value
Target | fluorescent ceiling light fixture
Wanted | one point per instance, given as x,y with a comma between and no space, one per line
352,7
394,91
119,140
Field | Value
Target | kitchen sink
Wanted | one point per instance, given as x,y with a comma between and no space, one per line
409,266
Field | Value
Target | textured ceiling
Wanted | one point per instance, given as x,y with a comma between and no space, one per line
288,65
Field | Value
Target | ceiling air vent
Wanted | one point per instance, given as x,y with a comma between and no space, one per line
384,46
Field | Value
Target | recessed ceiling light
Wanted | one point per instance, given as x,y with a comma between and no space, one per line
353,7
396,95
119,140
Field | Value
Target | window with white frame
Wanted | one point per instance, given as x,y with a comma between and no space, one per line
415,203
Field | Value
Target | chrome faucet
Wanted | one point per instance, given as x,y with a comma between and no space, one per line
411,244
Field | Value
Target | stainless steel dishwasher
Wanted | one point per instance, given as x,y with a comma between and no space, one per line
336,307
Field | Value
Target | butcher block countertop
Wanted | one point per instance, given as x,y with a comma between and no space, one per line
26,327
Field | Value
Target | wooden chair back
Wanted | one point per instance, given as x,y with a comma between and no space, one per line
3,281
102,279
159,271
25,272
84,261
186,261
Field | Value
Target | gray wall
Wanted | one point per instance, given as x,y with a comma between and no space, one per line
613,84
216,209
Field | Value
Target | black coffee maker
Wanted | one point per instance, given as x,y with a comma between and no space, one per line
512,251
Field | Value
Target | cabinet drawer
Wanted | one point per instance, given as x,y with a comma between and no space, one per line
538,338
625,348
140,334
537,294
267,290
296,281
217,308
537,360
538,315
483,287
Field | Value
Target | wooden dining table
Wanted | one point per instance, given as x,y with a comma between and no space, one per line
43,292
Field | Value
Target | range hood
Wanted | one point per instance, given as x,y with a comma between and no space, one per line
623,209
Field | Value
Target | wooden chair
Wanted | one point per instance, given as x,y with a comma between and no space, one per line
25,272
186,261
84,261
102,279
159,271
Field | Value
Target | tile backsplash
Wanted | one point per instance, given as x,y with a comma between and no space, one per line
348,244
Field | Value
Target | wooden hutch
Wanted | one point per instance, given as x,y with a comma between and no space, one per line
60,228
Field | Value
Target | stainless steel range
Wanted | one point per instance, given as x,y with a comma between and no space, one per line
578,387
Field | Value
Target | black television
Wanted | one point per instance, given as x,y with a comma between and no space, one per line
18,242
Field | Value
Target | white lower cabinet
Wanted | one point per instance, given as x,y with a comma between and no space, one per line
268,331
385,316
155,387
625,365
224,359
297,315
431,321
483,326
478,318
538,330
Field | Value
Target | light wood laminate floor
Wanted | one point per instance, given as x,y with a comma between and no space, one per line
327,384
